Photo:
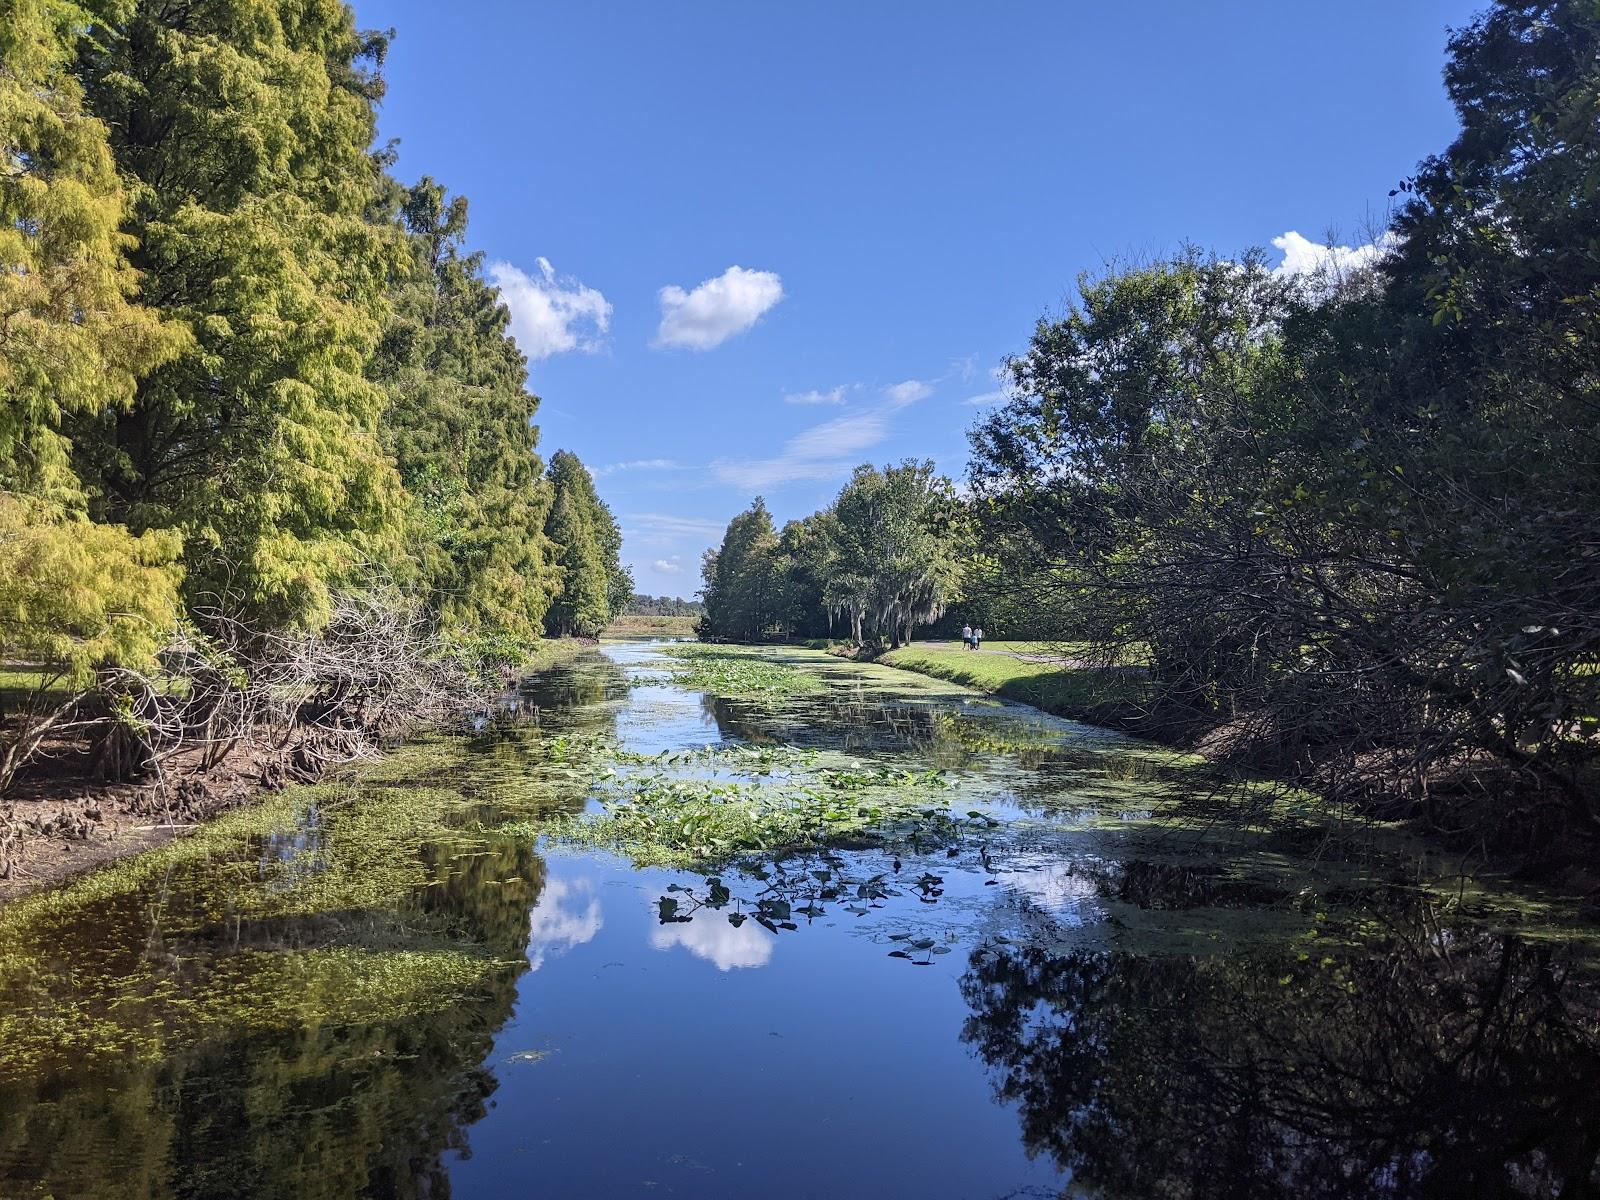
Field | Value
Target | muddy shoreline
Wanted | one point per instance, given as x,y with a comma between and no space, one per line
59,822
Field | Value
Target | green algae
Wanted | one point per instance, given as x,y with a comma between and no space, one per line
145,1014
737,672
312,907
275,915
697,808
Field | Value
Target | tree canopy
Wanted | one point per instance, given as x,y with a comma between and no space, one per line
880,561
594,587
244,370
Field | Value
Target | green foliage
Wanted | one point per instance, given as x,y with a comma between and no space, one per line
741,577
244,128
460,427
643,605
71,339
882,557
659,818
894,565
726,671
241,365
594,586
76,596
1349,514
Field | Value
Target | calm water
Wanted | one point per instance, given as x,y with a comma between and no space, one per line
1114,991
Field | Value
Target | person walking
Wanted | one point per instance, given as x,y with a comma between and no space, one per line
966,637
977,637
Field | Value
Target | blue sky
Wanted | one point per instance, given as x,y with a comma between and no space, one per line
748,245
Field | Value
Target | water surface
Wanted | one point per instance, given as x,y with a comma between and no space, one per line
1122,979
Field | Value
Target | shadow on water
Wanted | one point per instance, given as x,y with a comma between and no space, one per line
347,995
1429,1064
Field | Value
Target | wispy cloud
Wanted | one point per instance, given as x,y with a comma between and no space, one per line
998,396
666,525
717,308
908,391
636,464
551,314
825,451
831,396
840,437
668,566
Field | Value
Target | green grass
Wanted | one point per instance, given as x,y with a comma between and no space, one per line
1132,656
631,625
1078,692
19,689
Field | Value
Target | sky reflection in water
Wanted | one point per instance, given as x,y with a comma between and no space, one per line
1088,996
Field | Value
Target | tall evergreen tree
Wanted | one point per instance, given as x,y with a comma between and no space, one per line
460,427
71,339
741,586
586,542
74,595
245,126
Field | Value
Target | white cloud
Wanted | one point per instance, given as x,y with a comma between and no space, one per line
637,464
831,396
567,915
908,392
668,566
667,525
840,437
826,451
998,396
822,452
711,937
717,309
1302,256
551,314
758,474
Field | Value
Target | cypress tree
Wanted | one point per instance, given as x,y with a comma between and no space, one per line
460,427
245,126
594,585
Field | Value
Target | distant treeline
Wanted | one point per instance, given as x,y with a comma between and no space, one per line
879,561
244,370
663,606
1352,517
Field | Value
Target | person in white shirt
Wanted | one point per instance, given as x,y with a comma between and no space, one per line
966,637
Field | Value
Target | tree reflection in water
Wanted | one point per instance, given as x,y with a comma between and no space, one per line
1434,1063
330,1110
314,1110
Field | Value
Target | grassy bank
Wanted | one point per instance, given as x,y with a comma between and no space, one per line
639,626
1104,697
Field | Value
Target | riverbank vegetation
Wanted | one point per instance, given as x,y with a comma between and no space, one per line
1349,518
736,672
258,403
1082,692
